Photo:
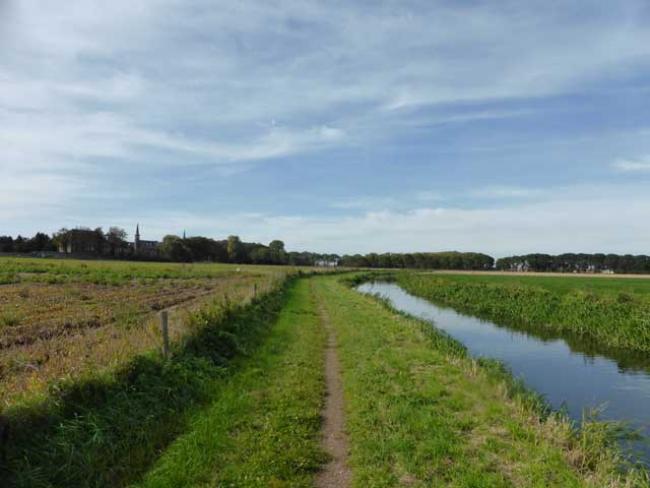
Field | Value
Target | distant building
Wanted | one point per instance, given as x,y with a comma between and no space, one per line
81,241
324,263
144,248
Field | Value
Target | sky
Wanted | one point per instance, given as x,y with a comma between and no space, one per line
337,126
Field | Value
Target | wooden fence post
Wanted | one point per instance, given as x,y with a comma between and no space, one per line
165,333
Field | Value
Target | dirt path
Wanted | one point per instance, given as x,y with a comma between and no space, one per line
336,472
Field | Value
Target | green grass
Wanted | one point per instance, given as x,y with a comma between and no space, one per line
612,313
560,283
263,428
117,273
420,412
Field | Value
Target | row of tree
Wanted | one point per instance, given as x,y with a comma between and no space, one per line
40,242
86,241
234,250
577,263
422,260
95,241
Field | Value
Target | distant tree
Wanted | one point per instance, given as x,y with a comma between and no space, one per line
260,255
19,243
434,260
116,240
173,248
6,244
277,253
235,249
40,242
60,238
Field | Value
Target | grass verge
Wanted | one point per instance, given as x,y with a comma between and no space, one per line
263,428
420,412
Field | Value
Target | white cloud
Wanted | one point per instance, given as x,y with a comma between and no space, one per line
180,82
225,67
601,218
638,165
24,196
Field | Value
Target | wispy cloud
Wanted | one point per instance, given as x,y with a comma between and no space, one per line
102,96
571,219
637,165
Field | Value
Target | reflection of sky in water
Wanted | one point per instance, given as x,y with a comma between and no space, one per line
562,376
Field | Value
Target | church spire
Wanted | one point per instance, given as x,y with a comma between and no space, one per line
136,241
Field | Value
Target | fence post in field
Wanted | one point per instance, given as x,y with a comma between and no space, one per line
254,290
164,325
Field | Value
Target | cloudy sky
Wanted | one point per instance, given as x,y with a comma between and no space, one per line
344,126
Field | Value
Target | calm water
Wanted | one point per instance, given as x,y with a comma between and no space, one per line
570,374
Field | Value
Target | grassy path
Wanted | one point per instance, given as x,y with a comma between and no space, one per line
422,413
264,427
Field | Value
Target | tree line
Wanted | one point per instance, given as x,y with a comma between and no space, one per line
576,263
113,243
103,243
234,250
422,260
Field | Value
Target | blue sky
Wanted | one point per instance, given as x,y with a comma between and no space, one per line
503,127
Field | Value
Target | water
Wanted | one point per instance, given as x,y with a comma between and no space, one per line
569,373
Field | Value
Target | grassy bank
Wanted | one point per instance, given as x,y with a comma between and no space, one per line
613,313
263,428
107,429
420,412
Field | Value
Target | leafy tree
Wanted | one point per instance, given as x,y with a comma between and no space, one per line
235,249
6,244
173,248
40,242
116,240
277,253
260,255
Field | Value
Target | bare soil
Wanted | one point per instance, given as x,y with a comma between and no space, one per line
336,472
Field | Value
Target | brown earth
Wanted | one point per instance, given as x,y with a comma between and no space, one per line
51,332
336,473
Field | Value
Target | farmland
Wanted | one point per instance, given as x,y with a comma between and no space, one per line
62,319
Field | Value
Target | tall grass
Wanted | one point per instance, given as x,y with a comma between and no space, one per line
617,320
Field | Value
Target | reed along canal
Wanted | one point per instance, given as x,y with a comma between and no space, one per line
570,374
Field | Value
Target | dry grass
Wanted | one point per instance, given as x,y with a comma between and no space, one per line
50,332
